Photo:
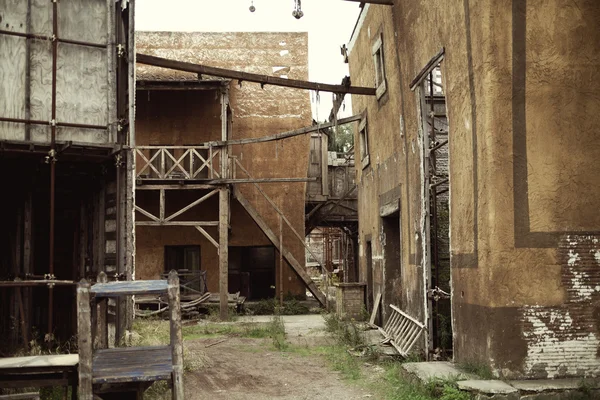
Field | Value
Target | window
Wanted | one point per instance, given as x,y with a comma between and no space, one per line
364,143
378,59
182,258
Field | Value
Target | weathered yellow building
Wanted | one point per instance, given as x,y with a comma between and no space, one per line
519,80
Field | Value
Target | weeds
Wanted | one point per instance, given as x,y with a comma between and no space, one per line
277,333
291,306
345,333
481,370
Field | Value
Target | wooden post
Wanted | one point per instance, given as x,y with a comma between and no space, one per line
224,212
102,330
224,252
176,336
280,262
324,164
84,340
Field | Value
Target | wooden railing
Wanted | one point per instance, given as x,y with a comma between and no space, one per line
177,162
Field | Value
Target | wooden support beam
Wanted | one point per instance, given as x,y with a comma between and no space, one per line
176,336
224,253
192,186
246,76
84,340
324,165
191,205
285,135
177,223
296,266
102,330
260,180
280,262
208,237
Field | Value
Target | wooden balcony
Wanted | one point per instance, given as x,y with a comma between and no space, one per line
177,162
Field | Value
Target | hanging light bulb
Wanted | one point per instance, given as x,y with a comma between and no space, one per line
297,13
252,8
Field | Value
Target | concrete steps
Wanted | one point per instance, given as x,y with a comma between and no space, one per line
491,389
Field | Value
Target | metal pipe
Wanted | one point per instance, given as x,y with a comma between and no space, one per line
52,124
52,165
49,38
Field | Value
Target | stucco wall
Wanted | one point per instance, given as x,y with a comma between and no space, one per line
521,83
393,171
256,112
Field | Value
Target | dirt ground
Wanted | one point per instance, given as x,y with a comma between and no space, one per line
241,368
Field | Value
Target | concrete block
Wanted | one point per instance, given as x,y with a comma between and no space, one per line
489,389
429,371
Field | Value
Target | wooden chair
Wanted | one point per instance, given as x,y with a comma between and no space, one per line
131,370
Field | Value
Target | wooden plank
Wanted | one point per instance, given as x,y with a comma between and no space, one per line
208,237
34,283
193,204
132,364
146,213
177,223
59,360
324,165
184,186
128,288
162,205
245,76
176,336
259,180
375,309
20,396
84,341
288,134
431,64
223,253
280,262
296,266
102,331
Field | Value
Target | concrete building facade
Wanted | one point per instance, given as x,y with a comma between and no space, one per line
520,82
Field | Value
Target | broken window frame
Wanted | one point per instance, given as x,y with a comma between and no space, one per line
379,62
364,142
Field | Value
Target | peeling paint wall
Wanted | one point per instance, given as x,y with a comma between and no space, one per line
257,112
563,340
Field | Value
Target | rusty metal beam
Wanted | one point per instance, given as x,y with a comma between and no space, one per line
382,2
249,77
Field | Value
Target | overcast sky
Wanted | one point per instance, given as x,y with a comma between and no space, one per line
329,24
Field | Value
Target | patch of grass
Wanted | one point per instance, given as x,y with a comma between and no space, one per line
276,330
393,386
481,370
291,306
346,333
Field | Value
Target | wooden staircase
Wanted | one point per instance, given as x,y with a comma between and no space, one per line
296,266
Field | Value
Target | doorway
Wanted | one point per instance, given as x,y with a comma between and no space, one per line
252,271
436,188
369,258
392,292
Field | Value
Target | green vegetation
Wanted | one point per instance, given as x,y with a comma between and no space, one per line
291,306
481,370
